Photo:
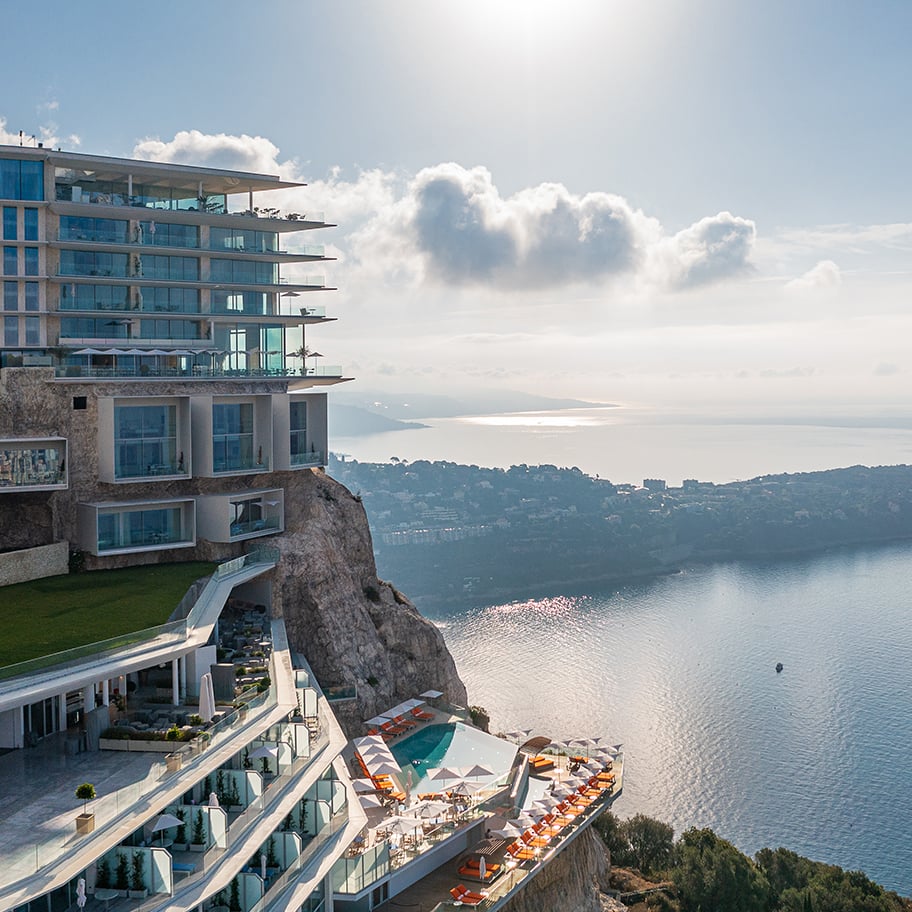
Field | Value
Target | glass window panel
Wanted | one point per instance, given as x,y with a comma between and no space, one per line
32,331
31,296
9,223
31,261
10,261
10,331
30,224
11,296
32,180
9,178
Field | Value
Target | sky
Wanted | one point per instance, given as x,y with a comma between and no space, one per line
701,203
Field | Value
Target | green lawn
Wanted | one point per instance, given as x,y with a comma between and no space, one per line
61,612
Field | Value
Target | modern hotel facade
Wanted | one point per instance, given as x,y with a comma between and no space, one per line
156,396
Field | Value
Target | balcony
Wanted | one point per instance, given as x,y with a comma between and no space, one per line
313,458
32,465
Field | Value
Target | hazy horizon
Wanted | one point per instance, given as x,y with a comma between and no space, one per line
662,204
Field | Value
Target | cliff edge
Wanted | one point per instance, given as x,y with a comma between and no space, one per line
354,629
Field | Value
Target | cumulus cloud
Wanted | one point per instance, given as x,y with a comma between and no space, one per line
826,274
715,248
47,134
450,226
217,150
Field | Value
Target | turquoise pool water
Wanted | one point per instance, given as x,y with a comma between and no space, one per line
452,744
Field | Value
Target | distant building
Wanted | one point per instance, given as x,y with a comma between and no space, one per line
654,484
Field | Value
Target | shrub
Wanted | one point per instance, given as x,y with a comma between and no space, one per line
85,793
103,874
122,873
137,874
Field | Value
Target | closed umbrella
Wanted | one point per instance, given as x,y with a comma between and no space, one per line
482,868
213,800
206,698
263,865
81,892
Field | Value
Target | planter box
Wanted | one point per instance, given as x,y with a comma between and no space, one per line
236,808
173,762
137,894
116,744
85,823
196,847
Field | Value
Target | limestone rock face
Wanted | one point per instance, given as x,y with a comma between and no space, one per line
352,628
570,883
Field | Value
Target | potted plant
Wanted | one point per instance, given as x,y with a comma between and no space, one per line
180,834
220,903
198,837
234,796
138,877
122,874
234,896
85,822
103,875
272,861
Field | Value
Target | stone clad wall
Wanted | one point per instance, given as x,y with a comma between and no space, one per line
34,563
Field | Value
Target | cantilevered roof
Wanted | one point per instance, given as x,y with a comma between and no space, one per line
161,174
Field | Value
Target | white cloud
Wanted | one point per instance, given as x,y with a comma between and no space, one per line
449,226
47,134
826,274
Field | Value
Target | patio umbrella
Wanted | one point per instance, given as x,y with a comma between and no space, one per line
508,831
264,750
385,768
475,772
442,773
81,892
520,736
370,801
427,810
403,826
431,694
165,822
364,785
377,720
413,703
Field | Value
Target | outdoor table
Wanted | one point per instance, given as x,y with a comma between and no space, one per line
106,896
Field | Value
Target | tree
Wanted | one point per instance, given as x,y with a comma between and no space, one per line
713,876
86,792
122,873
651,842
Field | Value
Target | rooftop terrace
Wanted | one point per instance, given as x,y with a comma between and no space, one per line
50,615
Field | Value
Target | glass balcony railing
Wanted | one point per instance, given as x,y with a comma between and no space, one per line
311,458
268,524
193,372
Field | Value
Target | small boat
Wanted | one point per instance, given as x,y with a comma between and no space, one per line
779,667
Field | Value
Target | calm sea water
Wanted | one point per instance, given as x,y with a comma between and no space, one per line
681,670
630,444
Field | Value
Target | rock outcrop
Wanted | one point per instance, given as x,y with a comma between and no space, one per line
572,882
352,628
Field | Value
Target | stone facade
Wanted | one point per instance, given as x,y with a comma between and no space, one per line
34,563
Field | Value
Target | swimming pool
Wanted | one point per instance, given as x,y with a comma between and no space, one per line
452,744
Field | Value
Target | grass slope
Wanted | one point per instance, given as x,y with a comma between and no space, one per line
60,612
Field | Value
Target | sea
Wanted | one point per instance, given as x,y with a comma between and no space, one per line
681,669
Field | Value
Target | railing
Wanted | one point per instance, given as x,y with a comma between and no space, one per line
254,525
196,372
338,694
313,458
69,658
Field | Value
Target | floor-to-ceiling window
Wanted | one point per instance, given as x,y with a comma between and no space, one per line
232,437
145,441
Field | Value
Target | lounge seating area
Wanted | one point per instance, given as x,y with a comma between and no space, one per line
465,896
471,869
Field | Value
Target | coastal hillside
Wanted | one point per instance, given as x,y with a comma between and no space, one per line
445,531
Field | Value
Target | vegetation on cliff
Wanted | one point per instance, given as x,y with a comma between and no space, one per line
706,873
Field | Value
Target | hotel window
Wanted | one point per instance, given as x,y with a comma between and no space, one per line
11,295
9,223
30,224
32,331
88,328
145,441
242,239
248,516
83,262
240,302
176,269
169,329
129,528
244,272
80,228
232,437
31,296
170,300
10,261
93,297
298,423
21,180
163,234
31,261
10,331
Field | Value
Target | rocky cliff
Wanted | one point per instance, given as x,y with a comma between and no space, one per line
353,629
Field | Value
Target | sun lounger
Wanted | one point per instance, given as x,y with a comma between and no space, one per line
520,852
421,715
540,763
461,894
